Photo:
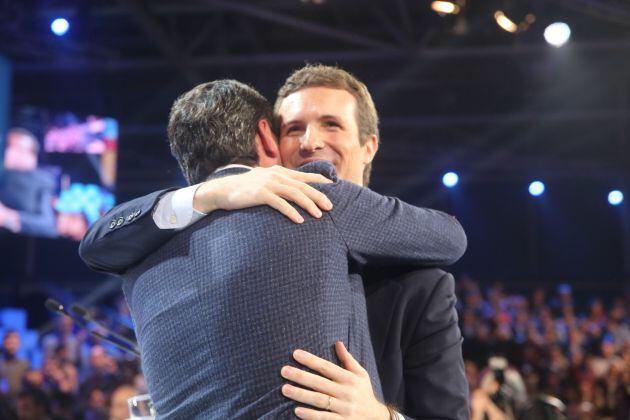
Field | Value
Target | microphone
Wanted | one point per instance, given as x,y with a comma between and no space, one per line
84,314
54,306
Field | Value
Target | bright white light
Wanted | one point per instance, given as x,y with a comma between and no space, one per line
615,197
450,179
60,26
445,7
557,34
536,188
505,22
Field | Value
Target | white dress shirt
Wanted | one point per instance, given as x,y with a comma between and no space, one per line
175,209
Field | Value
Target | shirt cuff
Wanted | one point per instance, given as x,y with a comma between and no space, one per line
175,209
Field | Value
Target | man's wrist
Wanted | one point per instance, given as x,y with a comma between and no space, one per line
204,200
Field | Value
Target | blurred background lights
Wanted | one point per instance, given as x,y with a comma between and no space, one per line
536,188
60,26
445,7
557,34
505,22
615,197
450,179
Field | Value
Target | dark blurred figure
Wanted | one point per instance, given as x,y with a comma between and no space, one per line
96,406
102,373
32,404
6,410
66,336
60,375
26,192
61,379
12,369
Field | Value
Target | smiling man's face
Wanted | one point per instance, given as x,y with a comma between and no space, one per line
319,123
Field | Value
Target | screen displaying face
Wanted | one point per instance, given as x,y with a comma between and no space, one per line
58,175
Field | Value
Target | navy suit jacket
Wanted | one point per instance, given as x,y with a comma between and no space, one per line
418,343
220,307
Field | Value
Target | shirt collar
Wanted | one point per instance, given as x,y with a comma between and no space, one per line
232,165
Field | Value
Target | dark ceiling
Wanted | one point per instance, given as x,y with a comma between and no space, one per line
453,91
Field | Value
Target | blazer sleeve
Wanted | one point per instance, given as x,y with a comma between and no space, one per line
383,231
124,236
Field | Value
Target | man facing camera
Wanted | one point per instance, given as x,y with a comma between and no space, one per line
25,192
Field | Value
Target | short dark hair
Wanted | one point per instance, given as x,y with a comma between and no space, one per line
38,397
9,332
319,75
214,124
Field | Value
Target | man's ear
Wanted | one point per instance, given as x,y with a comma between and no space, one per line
266,143
370,148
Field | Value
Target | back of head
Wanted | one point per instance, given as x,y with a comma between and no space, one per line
213,125
32,404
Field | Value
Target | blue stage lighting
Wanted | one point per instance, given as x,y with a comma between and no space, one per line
450,179
60,26
536,188
615,197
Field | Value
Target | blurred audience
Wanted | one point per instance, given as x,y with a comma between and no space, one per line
542,356
563,362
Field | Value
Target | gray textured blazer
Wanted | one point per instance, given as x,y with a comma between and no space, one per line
220,307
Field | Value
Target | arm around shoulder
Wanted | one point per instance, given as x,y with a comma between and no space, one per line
383,230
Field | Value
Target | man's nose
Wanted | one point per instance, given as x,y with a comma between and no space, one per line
312,141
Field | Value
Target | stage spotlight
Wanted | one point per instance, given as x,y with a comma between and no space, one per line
60,26
509,25
445,7
557,34
450,179
504,22
536,188
615,197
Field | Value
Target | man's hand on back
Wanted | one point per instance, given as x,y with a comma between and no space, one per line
340,393
274,186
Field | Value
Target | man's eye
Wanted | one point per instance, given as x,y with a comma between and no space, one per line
332,124
292,130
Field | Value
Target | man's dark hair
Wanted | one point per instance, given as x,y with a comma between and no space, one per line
38,396
213,125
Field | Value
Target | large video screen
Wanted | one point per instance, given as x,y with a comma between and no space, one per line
58,175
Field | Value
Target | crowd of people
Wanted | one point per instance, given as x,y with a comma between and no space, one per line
545,348
79,378
518,350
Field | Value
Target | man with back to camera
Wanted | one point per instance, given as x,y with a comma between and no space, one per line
323,146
